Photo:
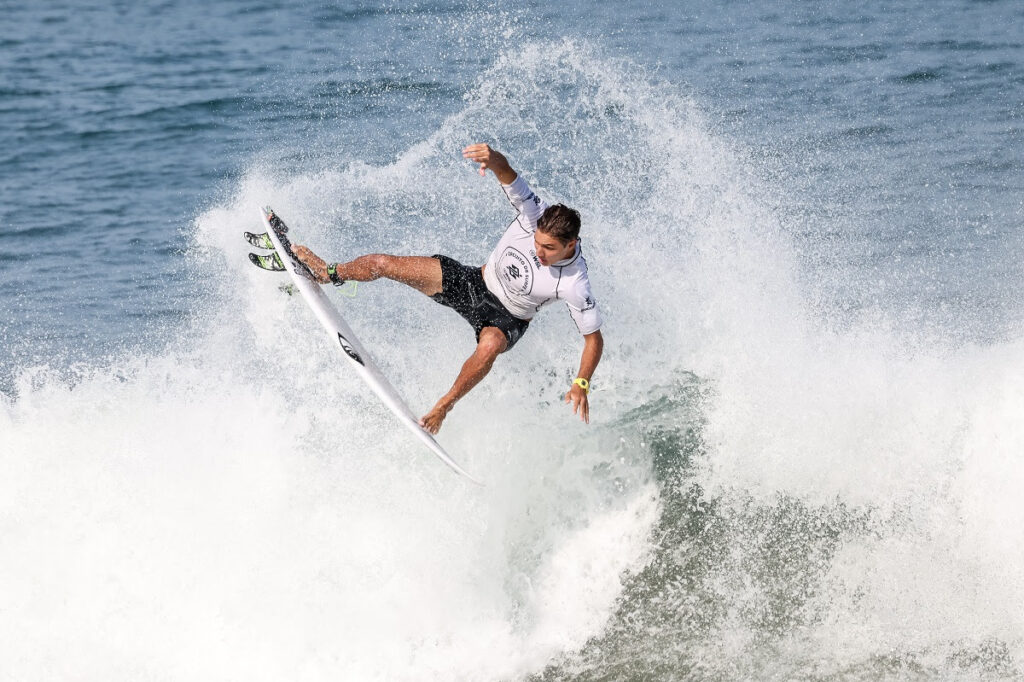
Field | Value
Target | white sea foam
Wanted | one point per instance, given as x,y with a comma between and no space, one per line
238,506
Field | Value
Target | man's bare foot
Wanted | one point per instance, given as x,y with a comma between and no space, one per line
314,262
431,421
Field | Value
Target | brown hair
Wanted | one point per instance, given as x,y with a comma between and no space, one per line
561,222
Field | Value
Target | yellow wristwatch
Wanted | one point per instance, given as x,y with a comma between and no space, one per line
582,383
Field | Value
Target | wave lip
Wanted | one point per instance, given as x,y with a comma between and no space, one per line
826,496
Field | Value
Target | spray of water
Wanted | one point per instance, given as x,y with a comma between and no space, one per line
760,493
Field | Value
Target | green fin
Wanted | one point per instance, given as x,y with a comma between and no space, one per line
269,262
260,240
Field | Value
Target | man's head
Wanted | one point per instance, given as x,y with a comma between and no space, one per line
556,235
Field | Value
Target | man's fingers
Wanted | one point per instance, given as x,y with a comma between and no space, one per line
580,405
476,153
481,156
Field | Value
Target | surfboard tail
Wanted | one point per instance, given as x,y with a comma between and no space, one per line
356,355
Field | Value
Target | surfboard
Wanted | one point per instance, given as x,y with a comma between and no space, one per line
341,335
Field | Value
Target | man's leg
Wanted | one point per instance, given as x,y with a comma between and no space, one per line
420,272
491,344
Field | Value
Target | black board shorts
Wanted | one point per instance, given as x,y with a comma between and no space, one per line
464,291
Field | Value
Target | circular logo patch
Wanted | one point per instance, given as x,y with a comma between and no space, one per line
514,272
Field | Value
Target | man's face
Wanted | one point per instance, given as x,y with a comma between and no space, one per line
550,250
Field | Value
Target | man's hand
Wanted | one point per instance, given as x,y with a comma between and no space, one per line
580,405
490,158
314,262
593,347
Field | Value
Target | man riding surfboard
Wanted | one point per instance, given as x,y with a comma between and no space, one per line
537,260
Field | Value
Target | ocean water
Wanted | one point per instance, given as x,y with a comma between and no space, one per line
803,225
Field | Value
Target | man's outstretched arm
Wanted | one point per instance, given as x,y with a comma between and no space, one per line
593,346
493,159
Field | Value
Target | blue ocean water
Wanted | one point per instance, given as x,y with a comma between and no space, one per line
803,225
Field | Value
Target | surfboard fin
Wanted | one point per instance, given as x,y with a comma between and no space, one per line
269,262
259,240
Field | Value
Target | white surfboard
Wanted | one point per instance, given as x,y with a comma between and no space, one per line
341,334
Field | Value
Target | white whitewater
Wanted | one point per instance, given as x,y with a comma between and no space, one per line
212,510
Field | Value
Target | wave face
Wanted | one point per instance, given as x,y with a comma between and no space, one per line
769,490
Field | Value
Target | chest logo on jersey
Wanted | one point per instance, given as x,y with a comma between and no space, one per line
516,275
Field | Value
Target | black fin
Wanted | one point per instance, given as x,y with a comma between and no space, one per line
269,262
259,240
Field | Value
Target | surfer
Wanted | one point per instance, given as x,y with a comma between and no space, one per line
537,260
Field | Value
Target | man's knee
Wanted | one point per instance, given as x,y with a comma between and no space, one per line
381,264
492,342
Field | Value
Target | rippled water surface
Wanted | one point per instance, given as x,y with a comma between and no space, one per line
802,223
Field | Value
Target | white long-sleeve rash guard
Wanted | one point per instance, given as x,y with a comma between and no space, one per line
515,275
